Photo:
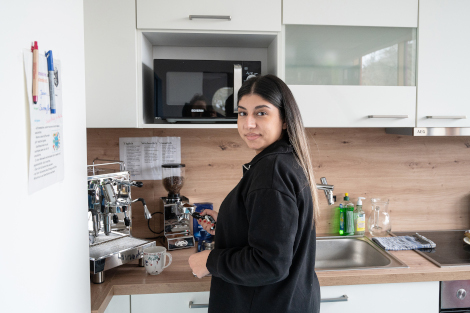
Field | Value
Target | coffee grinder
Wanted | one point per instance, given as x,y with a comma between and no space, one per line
177,209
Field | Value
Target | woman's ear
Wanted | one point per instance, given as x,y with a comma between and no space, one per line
284,125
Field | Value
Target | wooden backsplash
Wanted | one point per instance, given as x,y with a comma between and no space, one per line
427,179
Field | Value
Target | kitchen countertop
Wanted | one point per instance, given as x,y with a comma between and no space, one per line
130,279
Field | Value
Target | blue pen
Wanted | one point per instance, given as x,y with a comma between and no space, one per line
50,69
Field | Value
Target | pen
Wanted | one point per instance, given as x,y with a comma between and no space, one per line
34,50
50,69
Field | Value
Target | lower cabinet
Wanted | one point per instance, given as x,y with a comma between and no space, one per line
383,298
119,304
171,302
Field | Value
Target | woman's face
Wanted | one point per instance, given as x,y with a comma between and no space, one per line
259,122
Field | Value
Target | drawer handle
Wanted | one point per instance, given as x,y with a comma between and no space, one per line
387,116
339,299
446,117
197,306
211,17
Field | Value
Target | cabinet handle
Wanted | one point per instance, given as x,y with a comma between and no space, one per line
197,306
237,84
339,299
446,117
211,17
387,116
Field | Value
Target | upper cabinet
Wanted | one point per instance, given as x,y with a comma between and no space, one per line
241,15
383,13
352,63
110,63
443,93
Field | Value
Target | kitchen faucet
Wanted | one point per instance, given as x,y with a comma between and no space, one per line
328,189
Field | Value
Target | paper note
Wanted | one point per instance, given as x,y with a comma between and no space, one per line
46,159
144,156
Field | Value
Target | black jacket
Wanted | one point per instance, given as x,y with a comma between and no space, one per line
264,256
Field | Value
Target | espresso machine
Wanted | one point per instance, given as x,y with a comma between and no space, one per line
109,196
177,209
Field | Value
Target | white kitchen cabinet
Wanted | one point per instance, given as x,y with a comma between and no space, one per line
356,106
110,63
444,49
386,298
384,13
245,15
170,302
352,63
344,76
119,304
383,298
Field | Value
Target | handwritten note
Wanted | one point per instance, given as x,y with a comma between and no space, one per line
144,156
46,159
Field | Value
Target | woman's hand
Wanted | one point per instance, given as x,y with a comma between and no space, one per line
207,225
197,262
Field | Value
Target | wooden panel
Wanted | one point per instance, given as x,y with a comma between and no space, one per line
425,178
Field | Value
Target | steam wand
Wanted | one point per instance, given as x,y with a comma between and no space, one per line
146,210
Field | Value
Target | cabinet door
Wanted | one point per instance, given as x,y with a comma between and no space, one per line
356,106
170,302
245,15
443,68
119,304
110,63
391,13
383,298
344,76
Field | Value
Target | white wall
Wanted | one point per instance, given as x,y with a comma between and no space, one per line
44,236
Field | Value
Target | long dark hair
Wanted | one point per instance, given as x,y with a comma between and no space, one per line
275,91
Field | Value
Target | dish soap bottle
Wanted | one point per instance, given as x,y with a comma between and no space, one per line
349,222
342,218
359,218
342,215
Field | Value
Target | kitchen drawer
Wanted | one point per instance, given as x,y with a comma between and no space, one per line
119,304
384,298
169,302
260,15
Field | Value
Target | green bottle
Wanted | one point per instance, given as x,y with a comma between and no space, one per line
349,223
342,216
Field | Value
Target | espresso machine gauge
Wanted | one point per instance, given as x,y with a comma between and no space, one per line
177,209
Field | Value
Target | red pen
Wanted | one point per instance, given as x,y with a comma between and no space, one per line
34,50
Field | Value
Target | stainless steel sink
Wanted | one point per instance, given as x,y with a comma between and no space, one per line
352,253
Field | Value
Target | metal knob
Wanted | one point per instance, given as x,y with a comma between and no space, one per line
461,293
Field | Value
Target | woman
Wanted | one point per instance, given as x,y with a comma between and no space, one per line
264,256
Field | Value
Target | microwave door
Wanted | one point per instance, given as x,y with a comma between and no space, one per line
237,84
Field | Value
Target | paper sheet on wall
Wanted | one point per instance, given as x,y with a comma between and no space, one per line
46,157
144,156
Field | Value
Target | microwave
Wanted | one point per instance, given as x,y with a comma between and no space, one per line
199,91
